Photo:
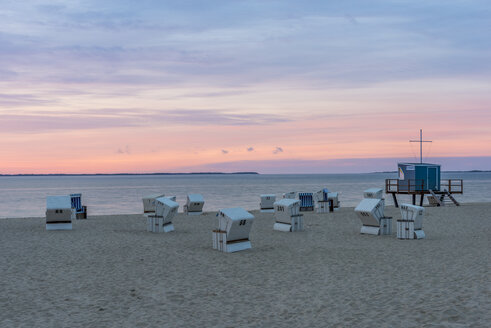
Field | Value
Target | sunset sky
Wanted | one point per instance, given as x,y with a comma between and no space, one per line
267,86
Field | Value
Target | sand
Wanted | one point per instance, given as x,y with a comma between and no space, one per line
109,272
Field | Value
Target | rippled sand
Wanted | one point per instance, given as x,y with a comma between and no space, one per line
109,272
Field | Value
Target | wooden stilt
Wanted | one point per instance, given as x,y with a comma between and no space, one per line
414,199
451,198
395,200
421,199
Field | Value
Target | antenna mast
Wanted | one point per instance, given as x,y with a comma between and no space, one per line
420,145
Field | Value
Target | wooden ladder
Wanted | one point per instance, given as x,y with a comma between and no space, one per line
451,197
438,199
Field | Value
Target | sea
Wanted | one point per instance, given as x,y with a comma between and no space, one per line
25,196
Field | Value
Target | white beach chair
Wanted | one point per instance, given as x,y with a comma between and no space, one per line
334,197
267,203
322,201
165,211
234,226
371,213
375,193
149,203
59,213
287,215
411,224
290,195
194,204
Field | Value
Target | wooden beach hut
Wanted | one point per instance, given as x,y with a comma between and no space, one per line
423,179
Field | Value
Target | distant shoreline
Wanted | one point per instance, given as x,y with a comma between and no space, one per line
116,174
195,173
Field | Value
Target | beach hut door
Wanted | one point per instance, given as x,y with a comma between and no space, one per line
432,178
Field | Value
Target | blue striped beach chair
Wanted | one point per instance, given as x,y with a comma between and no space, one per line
80,210
306,201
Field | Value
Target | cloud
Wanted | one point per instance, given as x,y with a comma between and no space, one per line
39,121
345,165
225,152
250,149
125,150
278,150
237,44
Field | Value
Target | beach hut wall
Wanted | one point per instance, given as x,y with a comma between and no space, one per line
419,177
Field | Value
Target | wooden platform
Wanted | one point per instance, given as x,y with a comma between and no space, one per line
417,187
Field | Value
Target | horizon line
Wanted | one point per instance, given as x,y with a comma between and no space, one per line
210,173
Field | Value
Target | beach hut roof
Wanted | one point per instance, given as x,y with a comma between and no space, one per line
168,202
196,198
287,202
373,190
236,213
418,164
153,196
57,202
368,205
268,195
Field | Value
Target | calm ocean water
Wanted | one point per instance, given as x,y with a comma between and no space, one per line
26,196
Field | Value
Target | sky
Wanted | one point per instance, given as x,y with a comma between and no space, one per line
267,86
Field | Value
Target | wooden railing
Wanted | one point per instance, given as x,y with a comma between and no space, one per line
454,186
413,185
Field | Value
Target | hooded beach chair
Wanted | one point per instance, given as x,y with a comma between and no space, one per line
165,211
290,195
287,215
267,203
234,227
411,224
80,210
306,201
149,203
194,204
59,213
371,213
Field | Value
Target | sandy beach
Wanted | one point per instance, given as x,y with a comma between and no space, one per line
109,272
